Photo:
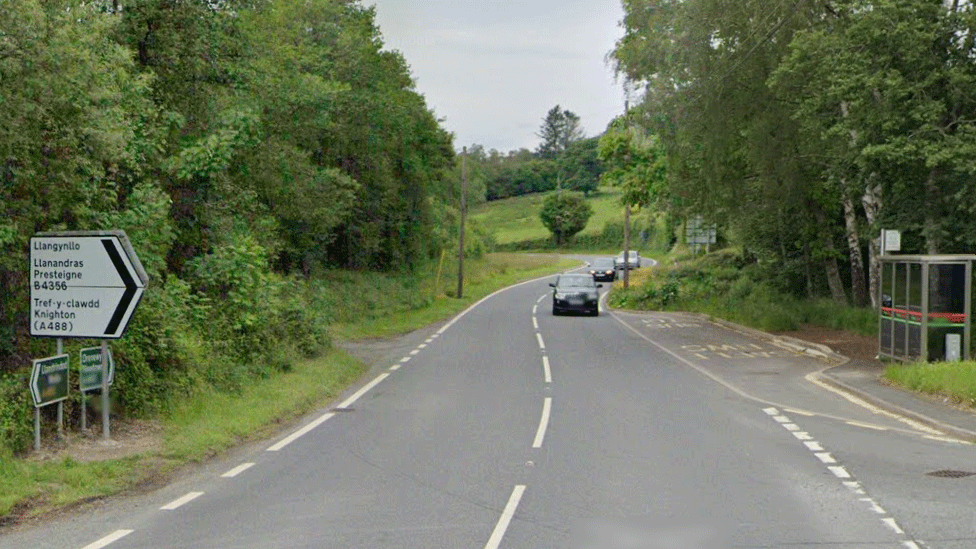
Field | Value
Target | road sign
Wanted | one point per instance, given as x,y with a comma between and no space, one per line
83,284
90,376
49,380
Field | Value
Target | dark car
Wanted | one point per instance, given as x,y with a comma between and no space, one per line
575,292
603,269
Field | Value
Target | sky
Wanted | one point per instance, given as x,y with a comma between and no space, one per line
492,69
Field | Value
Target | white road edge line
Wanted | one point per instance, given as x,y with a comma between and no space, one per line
540,434
499,532
546,371
109,539
237,470
303,431
839,471
891,523
349,401
176,504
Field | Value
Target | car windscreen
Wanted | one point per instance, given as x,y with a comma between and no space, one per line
575,281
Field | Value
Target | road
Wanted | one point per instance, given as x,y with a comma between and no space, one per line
511,428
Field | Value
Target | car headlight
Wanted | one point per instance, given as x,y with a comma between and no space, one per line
561,296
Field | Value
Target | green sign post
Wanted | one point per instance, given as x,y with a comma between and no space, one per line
49,380
90,375
48,384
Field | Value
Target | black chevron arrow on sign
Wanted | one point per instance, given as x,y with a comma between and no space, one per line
130,285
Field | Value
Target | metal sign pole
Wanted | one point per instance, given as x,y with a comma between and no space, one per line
106,432
61,403
37,429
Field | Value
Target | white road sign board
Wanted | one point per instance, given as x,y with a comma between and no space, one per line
83,284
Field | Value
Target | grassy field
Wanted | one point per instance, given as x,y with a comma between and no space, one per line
363,305
517,219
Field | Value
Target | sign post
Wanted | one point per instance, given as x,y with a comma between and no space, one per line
85,284
48,384
90,377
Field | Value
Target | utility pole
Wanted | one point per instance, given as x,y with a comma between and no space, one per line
464,191
627,212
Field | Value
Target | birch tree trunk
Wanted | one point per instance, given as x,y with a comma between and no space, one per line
858,289
831,268
872,202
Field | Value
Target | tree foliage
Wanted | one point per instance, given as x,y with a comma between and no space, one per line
805,128
244,147
560,129
565,213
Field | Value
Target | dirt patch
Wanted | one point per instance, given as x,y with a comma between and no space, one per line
858,347
129,438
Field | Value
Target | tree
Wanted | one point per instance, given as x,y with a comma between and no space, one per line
565,213
560,128
634,162
579,167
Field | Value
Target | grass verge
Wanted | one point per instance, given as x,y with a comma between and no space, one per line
953,380
719,285
363,305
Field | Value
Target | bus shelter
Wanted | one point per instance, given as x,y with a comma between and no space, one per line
926,303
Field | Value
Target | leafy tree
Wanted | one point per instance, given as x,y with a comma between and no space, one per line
579,167
565,214
634,162
560,128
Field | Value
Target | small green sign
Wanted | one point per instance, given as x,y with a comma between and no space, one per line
90,375
49,380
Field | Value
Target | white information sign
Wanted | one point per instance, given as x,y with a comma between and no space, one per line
890,241
83,284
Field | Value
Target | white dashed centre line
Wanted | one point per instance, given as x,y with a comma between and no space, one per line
176,504
535,323
404,360
109,539
540,433
546,371
499,532
237,470
414,352
422,346
542,344
541,298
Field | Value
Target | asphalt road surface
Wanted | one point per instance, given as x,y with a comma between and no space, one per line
512,428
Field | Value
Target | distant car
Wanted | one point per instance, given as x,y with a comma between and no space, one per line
603,269
633,261
575,292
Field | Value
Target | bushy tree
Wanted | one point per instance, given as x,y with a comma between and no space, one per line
565,214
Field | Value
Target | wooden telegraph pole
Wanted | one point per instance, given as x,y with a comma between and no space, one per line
464,191
626,214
